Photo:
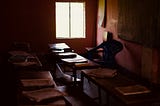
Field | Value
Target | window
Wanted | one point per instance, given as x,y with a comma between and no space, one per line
70,20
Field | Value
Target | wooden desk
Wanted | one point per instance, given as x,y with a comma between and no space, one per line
23,60
55,49
79,63
32,81
73,60
36,79
35,75
109,84
30,61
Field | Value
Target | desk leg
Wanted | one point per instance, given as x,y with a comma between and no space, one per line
82,81
99,95
107,99
74,76
60,72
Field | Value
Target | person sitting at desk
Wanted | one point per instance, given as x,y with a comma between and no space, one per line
110,48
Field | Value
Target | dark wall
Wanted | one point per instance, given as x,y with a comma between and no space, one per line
33,21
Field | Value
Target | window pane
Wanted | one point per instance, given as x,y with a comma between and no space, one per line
62,20
70,20
77,20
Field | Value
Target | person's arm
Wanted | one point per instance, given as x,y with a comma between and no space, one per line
95,48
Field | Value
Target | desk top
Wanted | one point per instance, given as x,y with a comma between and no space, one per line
34,75
60,46
80,62
109,85
21,58
76,59
71,58
87,65
29,61
36,78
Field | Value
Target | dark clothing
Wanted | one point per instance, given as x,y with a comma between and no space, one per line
110,49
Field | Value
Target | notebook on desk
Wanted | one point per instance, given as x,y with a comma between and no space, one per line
133,89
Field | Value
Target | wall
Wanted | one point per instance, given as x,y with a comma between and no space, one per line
33,21
143,61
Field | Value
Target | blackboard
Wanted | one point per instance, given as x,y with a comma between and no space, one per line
139,21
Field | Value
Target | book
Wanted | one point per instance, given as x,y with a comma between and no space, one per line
102,73
133,89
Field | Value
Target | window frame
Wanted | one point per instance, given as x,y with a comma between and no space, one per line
84,20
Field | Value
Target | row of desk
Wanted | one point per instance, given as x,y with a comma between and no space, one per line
108,85
65,55
35,86
113,96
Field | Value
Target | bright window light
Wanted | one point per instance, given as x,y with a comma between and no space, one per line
70,20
